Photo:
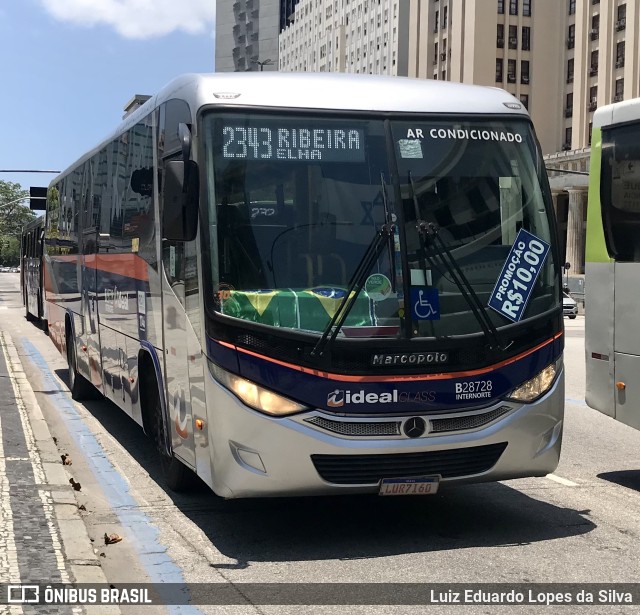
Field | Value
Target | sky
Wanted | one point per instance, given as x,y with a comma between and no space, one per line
68,68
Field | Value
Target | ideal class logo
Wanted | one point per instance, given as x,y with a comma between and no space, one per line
115,299
340,398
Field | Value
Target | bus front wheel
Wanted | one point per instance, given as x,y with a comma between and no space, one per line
177,476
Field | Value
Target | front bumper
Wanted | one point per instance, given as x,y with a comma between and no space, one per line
254,455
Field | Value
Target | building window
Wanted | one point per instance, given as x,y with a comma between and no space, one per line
620,54
526,8
590,131
513,7
437,21
513,37
435,53
595,27
621,22
526,38
524,71
593,70
570,70
619,91
445,16
524,99
511,71
499,68
572,7
593,98
568,134
500,36
500,7
568,107
571,37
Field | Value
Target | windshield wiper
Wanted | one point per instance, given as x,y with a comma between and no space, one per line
429,236
384,237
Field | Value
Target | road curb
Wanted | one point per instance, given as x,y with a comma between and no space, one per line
71,542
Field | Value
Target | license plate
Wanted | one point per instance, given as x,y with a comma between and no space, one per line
422,485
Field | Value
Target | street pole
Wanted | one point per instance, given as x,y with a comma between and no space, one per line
267,62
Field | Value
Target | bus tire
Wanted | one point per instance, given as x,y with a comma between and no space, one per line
177,476
27,314
79,386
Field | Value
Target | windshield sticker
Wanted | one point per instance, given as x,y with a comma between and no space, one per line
519,274
425,303
377,287
410,148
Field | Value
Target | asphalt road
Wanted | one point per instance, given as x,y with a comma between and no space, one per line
579,525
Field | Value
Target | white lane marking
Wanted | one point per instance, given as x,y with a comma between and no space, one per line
562,481
13,367
9,569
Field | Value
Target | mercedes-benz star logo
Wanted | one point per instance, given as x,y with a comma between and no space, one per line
415,427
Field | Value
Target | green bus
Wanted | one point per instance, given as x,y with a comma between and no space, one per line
613,263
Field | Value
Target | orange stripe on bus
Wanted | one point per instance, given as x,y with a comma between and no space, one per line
396,378
127,265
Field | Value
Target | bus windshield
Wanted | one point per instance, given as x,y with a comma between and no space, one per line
296,202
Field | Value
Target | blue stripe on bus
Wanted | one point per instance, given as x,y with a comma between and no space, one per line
320,390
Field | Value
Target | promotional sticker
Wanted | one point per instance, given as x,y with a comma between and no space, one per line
519,274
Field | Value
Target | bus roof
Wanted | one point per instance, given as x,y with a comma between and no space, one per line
325,91
337,91
617,113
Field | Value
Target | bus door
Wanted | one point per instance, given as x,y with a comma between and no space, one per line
626,344
176,353
89,355
174,317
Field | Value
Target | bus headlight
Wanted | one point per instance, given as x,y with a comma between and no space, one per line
255,396
537,386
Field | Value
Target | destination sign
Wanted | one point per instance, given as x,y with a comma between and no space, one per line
262,140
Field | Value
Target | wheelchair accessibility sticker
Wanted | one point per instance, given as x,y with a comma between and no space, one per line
518,277
425,303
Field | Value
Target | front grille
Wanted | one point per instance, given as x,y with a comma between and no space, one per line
365,469
470,421
361,428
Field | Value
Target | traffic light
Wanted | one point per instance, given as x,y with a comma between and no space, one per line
37,198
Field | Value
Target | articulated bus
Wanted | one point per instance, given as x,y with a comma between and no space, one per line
612,335
32,271
304,284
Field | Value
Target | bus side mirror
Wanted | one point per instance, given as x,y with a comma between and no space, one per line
180,203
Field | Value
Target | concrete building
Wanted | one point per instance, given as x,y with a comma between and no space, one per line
356,36
247,33
601,64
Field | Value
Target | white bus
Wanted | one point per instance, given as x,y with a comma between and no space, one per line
317,284
612,335
31,270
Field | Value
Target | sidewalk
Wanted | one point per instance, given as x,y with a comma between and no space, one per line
43,538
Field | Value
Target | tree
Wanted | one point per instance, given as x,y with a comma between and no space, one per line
14,214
